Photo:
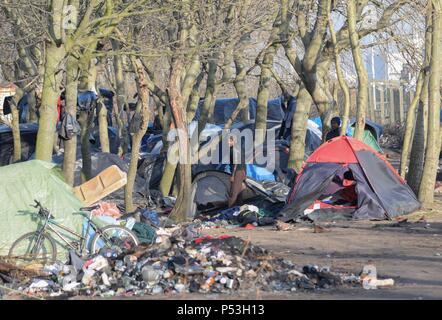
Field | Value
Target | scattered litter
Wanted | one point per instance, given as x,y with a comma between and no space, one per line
282,226
370,280
151,216
249,226
107,209
246,216
177,264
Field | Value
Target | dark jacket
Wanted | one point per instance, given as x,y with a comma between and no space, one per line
333,134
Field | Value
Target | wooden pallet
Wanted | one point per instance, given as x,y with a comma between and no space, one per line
105,183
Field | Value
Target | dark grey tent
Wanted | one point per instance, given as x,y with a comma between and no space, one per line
210,193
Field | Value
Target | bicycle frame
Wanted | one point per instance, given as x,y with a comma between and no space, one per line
52,225
48,224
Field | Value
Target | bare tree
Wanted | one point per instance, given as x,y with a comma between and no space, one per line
426,190
360,70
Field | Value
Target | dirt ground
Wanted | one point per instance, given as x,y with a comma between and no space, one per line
409,252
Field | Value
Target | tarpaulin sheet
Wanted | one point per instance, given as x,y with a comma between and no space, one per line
20,184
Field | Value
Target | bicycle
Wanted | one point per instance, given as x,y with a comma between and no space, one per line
40,246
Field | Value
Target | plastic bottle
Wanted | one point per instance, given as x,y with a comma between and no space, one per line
369,277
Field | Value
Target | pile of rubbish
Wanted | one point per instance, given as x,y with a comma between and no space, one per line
392,137
180,261
247,216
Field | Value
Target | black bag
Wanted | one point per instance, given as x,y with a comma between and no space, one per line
69,127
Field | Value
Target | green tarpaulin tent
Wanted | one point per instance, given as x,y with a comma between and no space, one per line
368,139
20,184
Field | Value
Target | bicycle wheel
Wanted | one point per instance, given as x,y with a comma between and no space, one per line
30,248
114,237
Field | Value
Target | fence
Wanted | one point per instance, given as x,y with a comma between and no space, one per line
391,103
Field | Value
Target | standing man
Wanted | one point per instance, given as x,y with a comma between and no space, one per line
335,129
289,110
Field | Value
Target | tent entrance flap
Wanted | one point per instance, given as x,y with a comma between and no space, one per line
313,182
387,185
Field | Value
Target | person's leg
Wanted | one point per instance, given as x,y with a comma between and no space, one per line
239,176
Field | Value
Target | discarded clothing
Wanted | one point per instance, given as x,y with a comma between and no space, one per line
107,209
151,216
145,233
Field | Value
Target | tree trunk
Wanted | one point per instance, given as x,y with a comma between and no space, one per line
179,113
70,146
143,110
32,103
181,210
426,190
89,72
299,129
411,117
209,97
361,72
417,155
15,125
87,82
170,168
341,79
48,109
241,92
121,99
263,94
85,120
103,127
194,98
16,132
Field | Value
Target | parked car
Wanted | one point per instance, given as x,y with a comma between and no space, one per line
28,137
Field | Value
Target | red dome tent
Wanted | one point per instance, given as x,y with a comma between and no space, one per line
346,179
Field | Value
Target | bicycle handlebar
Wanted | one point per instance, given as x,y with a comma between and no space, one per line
37,204
42,211
90,208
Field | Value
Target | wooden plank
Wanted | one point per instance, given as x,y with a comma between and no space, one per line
371,105
391,103
401,104
382,106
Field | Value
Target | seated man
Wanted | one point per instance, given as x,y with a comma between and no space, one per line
349,191
342,190
238,175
